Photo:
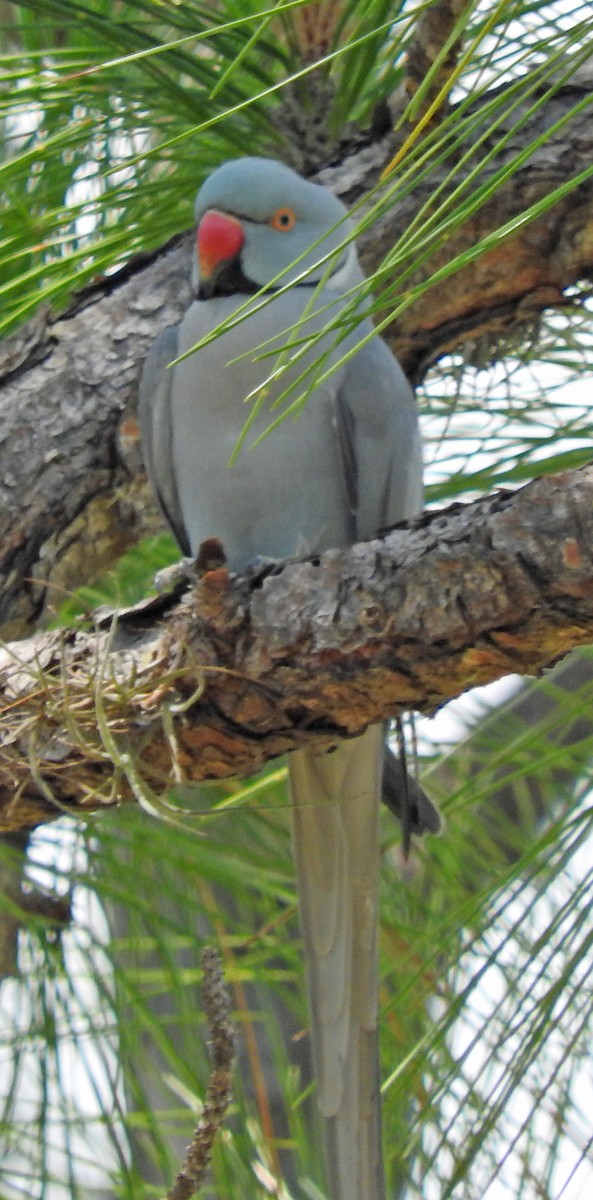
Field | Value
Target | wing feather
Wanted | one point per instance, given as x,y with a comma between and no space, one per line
379,439
155,420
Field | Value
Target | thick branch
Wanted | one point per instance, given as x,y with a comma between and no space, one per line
242,670
68,441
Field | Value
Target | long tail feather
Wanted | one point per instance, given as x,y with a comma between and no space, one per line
336,849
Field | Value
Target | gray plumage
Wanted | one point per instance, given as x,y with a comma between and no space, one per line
348,466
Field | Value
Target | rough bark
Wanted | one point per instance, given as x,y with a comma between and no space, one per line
68,439
244,669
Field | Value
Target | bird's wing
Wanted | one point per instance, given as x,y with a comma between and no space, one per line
154,417
378,430
379,437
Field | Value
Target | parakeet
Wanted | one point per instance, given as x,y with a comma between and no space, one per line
346,467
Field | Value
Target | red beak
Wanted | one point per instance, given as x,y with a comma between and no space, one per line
219,240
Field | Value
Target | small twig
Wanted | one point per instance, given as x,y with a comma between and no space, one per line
218,1008
433,56
433,67
20,901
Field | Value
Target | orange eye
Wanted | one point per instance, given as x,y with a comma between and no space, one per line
283,220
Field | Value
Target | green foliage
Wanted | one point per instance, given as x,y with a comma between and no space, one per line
485,994
110,117
490,423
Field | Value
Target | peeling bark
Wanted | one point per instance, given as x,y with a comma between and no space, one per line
68,439
244,669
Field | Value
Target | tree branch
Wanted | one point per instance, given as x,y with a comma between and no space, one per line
68,439
217,1005
244,669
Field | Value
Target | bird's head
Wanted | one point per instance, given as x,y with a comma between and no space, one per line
255,218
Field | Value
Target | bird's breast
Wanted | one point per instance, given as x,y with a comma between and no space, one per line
284,494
